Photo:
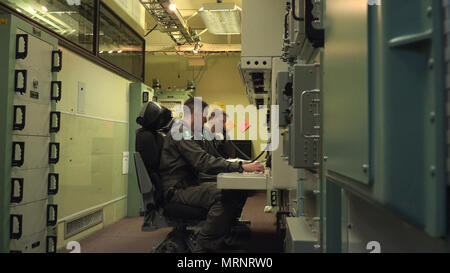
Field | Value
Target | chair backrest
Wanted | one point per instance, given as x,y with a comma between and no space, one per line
144,181
148,146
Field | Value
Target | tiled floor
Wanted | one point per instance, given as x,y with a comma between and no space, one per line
126,236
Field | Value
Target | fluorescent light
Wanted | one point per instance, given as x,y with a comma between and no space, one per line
101,51
44,8
221,18
32,10
111,51
120,51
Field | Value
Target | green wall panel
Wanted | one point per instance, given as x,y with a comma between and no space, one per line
90,163
405,108
135,204
346,89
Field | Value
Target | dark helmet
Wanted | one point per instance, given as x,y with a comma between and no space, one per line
154,116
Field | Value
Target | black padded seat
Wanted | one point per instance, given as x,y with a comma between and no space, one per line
184,212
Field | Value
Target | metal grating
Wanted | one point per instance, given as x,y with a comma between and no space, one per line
81,224
173,105
170,22
446,5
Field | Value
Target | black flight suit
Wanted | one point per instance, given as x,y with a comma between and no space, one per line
216,146
181,162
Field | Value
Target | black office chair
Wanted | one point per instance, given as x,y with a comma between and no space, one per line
154,120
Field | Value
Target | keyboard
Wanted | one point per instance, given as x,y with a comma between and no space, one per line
243,181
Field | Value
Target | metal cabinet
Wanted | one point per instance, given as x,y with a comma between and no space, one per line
384,106
28,149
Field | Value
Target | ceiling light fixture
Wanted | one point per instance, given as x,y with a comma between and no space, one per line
44,8
196,48
172,5
221,18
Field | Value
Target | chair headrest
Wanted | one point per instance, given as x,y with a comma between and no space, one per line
154,116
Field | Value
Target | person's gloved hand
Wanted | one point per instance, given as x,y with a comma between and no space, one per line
253,167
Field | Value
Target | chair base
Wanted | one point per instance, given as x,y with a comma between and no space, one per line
184,239
179,240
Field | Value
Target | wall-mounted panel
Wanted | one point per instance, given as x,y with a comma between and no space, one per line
346,89
398,123
90,166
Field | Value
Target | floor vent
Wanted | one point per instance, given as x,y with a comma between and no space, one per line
81,224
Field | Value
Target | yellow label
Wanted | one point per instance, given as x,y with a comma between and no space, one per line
3,21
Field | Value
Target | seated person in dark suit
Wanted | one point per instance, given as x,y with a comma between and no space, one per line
215,140
182,158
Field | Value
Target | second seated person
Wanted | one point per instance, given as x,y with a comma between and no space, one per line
182,159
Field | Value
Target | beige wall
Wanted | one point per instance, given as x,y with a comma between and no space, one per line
217,81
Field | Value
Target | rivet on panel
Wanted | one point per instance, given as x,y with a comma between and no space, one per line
429,11
430,63
432,116
432,170
365,168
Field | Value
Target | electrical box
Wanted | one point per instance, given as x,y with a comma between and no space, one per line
28,152
299,237
304,129
304,32
283,175
261,27
261,50
384,107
